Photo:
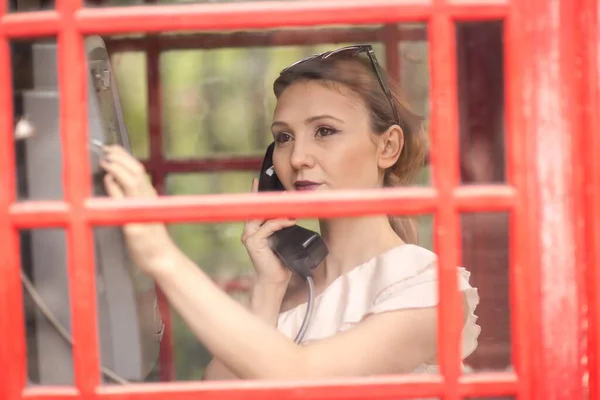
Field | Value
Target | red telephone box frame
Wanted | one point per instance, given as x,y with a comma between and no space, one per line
553,193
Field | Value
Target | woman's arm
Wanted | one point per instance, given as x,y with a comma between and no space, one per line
265,303
391,342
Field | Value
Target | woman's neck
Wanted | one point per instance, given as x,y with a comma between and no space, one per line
354,241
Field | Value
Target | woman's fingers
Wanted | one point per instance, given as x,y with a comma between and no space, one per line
272,226
128,172
121,176
258,229
118,155
256,234
112,187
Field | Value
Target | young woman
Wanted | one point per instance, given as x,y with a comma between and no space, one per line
339,123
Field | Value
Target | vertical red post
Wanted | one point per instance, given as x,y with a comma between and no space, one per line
77,188
12,327
549,103
591,179
444,160
523,270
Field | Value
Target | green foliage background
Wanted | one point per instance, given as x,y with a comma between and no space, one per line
219,103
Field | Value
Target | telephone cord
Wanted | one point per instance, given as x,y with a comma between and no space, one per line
60,329
309,311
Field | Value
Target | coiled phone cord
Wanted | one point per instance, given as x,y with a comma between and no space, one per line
309,310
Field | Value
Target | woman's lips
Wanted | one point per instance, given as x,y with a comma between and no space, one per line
306,185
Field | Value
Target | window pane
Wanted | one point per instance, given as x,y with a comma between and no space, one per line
130,73
221,102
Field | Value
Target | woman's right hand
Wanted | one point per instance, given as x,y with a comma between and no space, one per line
269,268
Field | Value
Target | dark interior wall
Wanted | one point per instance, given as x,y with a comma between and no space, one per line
485,235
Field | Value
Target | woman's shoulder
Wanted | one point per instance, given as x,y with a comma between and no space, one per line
400,263
409,273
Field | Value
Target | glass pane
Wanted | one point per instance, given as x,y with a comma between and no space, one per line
481,102
485,253
46,306
220,101
36,98
130,73
199,241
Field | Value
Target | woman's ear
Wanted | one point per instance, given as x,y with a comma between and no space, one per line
390,146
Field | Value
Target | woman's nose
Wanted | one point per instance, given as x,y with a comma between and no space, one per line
301,156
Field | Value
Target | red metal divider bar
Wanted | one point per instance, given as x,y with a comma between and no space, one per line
381,388
576,77
485,384
30,24
76,178
444,160
591,144
12,325
240,15
269,15
239,207
548,102
521,269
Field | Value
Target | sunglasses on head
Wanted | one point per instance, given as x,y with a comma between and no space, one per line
355,51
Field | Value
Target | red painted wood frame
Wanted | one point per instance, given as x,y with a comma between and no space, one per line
552,102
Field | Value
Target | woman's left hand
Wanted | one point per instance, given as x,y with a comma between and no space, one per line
148,243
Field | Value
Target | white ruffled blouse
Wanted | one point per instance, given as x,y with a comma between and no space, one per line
401,278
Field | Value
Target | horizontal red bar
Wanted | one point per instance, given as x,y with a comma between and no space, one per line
51,392
489,384
373,388
243,206
484,198
251,15
380,388
30,24
269,14
476,11
46,214
239,207
384,387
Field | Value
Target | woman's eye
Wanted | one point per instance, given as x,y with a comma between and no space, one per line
283,137
325,131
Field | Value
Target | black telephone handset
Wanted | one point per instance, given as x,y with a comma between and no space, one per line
300,249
